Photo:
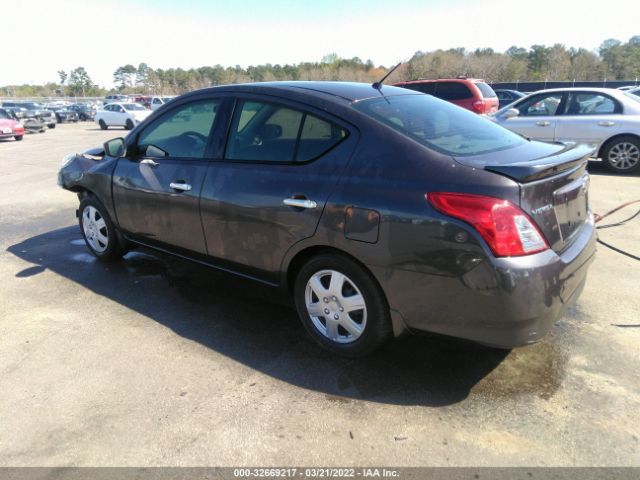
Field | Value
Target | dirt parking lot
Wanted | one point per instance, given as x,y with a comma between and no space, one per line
155,361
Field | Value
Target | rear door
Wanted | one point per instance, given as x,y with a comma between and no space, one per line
590,117
281,163
538,116
156,190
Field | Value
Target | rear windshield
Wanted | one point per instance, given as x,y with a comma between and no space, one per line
440,125
486,90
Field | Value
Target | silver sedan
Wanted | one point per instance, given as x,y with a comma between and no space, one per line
604,118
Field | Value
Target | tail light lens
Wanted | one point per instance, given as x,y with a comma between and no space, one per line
506,228
478,106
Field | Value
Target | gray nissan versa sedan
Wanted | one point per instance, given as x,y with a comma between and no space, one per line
380,209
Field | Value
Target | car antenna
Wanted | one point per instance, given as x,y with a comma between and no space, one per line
378,85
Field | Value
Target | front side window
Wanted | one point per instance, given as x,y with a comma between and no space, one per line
540,105
588,103
439,125
268,132
182,132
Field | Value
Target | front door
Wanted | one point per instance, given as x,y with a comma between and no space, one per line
537,118
156,190
280,166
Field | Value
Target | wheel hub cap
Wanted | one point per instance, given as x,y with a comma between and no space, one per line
95,229
335,306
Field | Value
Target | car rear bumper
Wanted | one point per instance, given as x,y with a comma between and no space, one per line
502,302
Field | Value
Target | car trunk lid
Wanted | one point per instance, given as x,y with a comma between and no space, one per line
553,183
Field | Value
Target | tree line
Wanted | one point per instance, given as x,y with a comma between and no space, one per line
614,60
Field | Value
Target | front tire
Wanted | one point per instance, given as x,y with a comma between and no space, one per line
103,125
52,125
341,306
622,154
18,137
129,124
98,230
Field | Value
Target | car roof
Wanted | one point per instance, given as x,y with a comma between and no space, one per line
349,91
433,80
610,91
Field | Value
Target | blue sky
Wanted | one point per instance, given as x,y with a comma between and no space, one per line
103,35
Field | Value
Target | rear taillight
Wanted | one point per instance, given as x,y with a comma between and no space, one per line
507,230
478,106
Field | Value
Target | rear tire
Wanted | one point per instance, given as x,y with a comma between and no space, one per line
129,124
98,230
622,154
52,125
18,137
341,306
103,125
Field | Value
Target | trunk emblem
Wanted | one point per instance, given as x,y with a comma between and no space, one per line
544,208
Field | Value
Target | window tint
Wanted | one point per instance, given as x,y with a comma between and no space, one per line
429,87
440,125
263,132
317,137
486,90
540,105
589,103
181,132
452,91
269,132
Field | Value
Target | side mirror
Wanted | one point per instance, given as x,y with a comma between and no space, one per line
511,113
115,147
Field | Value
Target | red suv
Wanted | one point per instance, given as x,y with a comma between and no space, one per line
470,93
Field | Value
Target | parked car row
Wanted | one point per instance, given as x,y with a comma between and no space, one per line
147,101
608,120
20,117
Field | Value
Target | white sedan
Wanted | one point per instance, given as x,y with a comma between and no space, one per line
607,119
126,115
157,102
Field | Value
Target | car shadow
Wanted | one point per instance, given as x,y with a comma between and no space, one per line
597,167
257,326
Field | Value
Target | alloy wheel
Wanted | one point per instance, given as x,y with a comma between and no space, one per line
624,156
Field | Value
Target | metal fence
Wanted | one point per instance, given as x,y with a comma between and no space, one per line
535,86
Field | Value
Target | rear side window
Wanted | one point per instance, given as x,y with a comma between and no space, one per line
428,88
588,103
440,125
486,90
181,132
268,132
453,91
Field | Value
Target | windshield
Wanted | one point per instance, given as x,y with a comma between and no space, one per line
4,115
440,125
634,94
133,106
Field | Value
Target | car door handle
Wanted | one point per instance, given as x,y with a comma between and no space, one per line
606,124
184,187
543,123
148,161
299,203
